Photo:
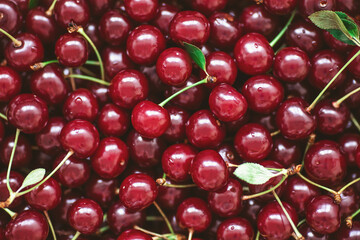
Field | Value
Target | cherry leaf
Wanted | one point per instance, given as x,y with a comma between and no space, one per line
253,173
33,177
33,3
196,55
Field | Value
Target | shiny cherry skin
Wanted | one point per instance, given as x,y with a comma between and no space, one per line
285,151
176,130
235,228
273,223
102,191
346,233
169,198
113,121
100,92
193,213
144,44
25,224
191,27
67,11
323,215
293,121
30,52
48,138
10,83
71,50
227,201
309,234
174,66
263,93
114,27
49,84
81,137
349,143
85,216
176,161
354,68
43,26
15,181
11,20
59,214
291,65
325,164
282,7
28,113
253,142
300,90
128,88
229,155
251,209
349,202
115,60
164,16
141,10
203,130
91,29
226,103
138,191
209,171
307,7
120,218
253,54
133,234
207,7
45,197
23,152
110,158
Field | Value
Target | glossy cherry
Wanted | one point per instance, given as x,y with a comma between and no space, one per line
15,181
282,7
169,198
354,65
164,16
207,7
115,60
10,83
114,27
59,214
307,7
23,152
346,233
176,130
11,20
43,26
235,228
141,10
71,50
349,202
309,234
349,143
285,151
113,121
48,138
101,190
67,11
133,234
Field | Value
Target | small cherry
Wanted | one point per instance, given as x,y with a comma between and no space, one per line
15,180
114,27
101,190
11,17
113,121
169,198
141,10
349,143
23,152
68,11
48,138
176,130
41,25
71,50
282,7
10,83
164,16
235,228
307,7
133,234
115,60
286,152
207,7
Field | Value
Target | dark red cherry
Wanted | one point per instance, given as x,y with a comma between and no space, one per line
81,137
253,142
309,234
128,88
114,27
144,44
71,50
101,190
169,198
113,121
351,6
11,17
22,155
115,60
41,25
235,228
110,158
207,7
164,16
325,164
138,191
349,202
85,216
141,10
349,143
10,83
68,11
31,51
191,27
176,130
301,90
354,67
98,7
15,181
285,151
293,121
229,155
291,65
28,113
251,209
346,233
323,215
25,224
209,171
335,44
193,213
120,218
307,7
91,29
281,7
203,130
48,138
273,223
133,234
101,92
59,214
253,54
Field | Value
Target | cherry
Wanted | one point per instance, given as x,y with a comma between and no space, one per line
91,29
85,216
11,17
300,89
169,198
281,7
15,181
100,92
114,27
349,86
273,223
345,233
310,234
31,51
191,27
253,54
113,121
27,223
349,202
204,131
49,84
60,212
71,50
349,143
128,88
325,163
208,7
68,11
228,154
235,228
253,142
98,7
22,155
45,197
144,44
111,158
138,191
133,234
176,130
41,25
307,7
193,213
115,60
293,121
354,68
291,65
48,138
164,16
101,190
141,10
348,6
285,151
10,83
335,44
323,215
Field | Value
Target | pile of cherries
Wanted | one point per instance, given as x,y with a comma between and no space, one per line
141,111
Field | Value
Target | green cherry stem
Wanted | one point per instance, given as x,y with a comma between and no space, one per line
50,10
11,213
103,230
257,235
40,65
348,185
154,219
165,217
310,142
355,122
247,197
301,222
50,224
92,79
148,232
72,80
16,42
11,192
317,185
77,234
337,103
3,116
349,219
283,31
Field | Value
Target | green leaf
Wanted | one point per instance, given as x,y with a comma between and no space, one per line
253,173
196,54
33,177
340,36
33,3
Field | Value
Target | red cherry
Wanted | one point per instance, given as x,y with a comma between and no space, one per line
141,10
48,138
71,50
113,121
10,83
15,181
101,190
208,6
164,16
23,152
133,234
169,198
307,7
115,60
67,11
11,20
235,228
114,27
281,7
349,143
176,130
285,151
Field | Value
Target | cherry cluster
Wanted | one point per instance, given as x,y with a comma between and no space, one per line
179,119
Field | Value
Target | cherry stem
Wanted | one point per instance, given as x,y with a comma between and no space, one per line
68,155
348,220
337,103
317,185
165,217
355,122
301,222
205,80
355,214
348,185
191,233
11,213
154,219
148,232
257,235
50,224
16,42
72,80
92,79
312,105
275,133
283,31
77,234
247,197
11,192
49,12
310,142
3,116
102,230
40,65
87,71
179,186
